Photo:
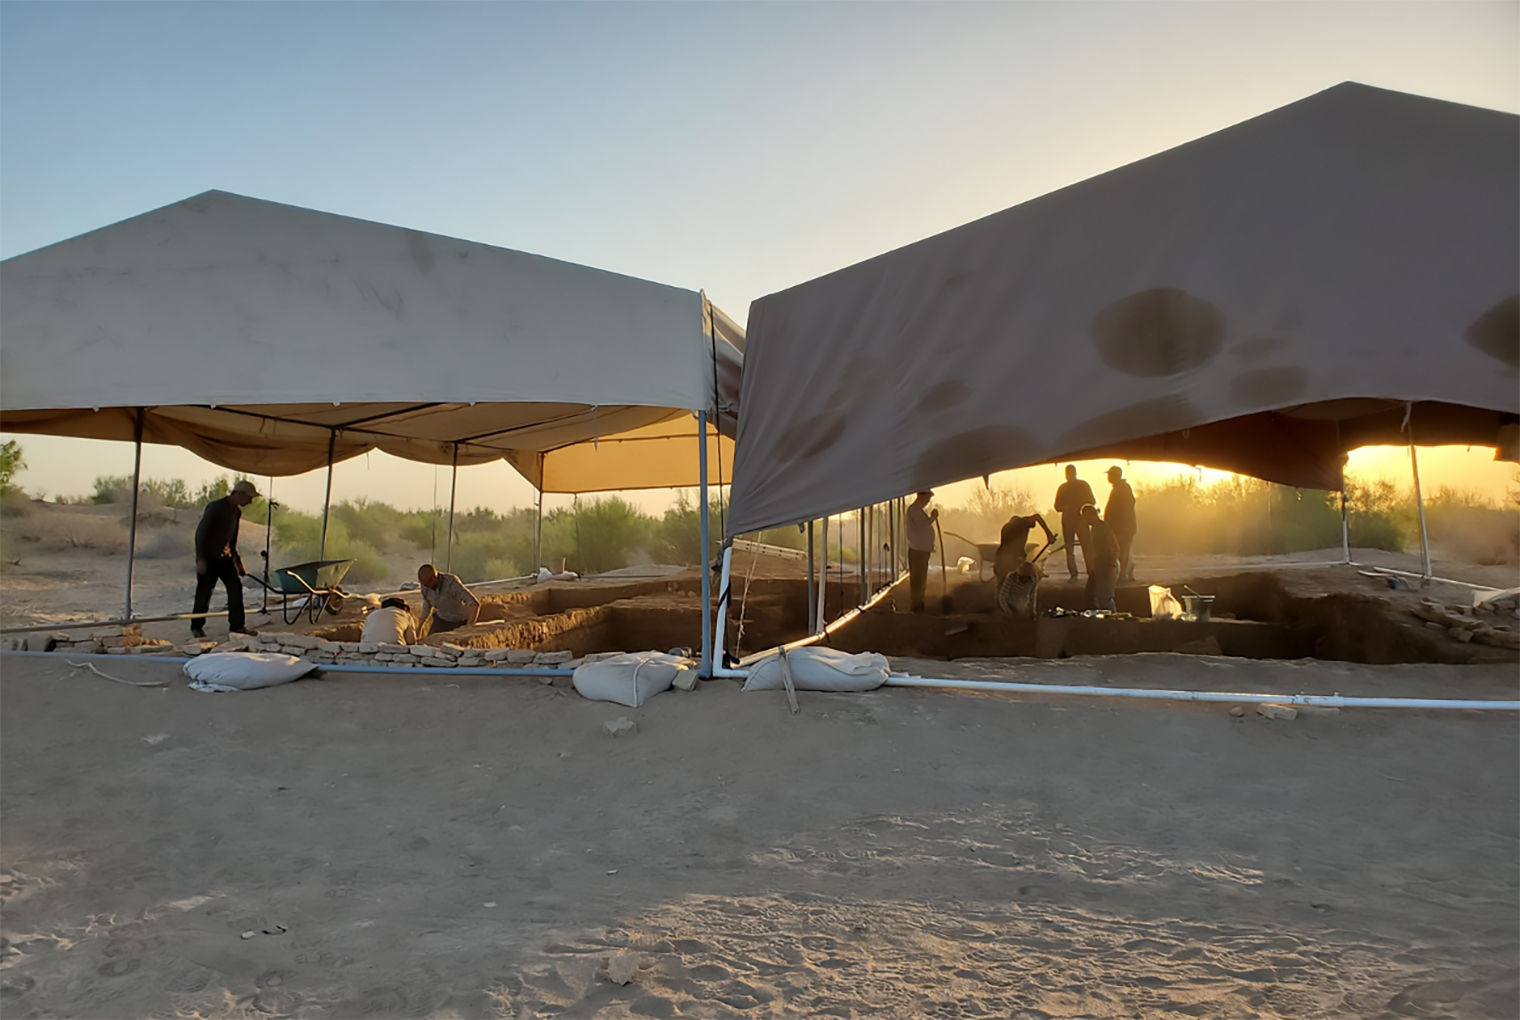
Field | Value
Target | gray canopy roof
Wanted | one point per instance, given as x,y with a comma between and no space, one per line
267,338
1335,273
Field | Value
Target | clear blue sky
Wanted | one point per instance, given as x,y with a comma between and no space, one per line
739,148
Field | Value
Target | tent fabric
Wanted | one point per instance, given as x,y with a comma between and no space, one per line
257,334
1261,300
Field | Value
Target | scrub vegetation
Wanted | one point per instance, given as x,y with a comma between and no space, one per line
1241,516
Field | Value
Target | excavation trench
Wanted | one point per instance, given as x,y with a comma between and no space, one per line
1254,616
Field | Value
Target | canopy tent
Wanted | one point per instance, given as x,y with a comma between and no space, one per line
272,340
1336,273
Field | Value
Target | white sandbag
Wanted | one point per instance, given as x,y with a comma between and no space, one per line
241,671
1164,605
821,669
631,678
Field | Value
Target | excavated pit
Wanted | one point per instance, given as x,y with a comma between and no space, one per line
1254,616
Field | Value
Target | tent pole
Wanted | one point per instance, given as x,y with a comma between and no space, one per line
823,577
812,591
448,549
538,531
704,529
137,431
1345,527
1419,504
332,442
860,599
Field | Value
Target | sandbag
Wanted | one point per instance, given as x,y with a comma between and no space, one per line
821,669
631,678
244,671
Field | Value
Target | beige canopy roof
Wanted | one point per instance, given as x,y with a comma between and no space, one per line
1336,273
266,338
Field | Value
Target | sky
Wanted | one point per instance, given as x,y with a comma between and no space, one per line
738,148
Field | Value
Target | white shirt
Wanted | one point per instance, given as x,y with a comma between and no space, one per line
920,529
390,626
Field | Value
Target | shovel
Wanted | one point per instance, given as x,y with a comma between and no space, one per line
944,579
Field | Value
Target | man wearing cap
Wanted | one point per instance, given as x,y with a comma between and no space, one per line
920,528
217,559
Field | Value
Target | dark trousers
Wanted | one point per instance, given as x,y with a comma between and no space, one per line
1126,565
918,577
1101,580
1076,534
221,569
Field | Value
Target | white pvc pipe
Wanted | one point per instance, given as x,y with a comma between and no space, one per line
1315,700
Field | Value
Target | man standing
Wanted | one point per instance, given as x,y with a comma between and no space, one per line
1120,516
1071,497
920,528
217,559
1102,556
446,600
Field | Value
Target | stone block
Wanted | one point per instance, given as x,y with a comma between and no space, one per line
495,654
451,651
307,641
395,649
366,647
1277,711
423,651
331,647
438,663
620,726
552,658
622,967
686,680
520,656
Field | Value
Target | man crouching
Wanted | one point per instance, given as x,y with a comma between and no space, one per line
446,602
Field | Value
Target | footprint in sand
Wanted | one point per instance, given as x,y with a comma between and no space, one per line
123,956
187,977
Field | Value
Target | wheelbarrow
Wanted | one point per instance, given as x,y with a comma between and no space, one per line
309,588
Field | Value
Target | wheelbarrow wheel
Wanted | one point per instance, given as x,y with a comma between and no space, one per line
334,603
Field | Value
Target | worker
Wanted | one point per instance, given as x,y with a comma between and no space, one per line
1016,578
217,559
1013,544
1120,516
1102,556
446,602
920,528
390,624
1071,497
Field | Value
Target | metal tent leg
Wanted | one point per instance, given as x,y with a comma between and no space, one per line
137,431
709,651
332,440
1419,504
448,549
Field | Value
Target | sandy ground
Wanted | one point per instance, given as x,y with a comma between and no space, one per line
430,847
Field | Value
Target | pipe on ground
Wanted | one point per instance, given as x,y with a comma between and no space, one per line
1231,697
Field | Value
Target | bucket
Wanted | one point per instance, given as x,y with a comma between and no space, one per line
1199,606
